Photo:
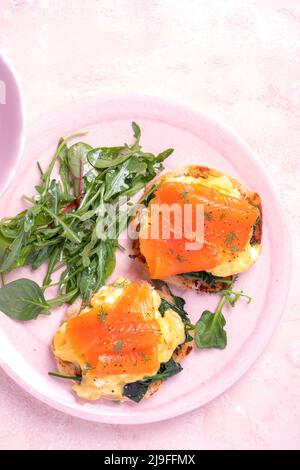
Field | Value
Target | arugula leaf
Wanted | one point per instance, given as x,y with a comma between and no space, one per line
137,390
108,157
60,227
121,178
163,155
150,195
23,300
136,131
13,252
77,158
64,170
52,261
4,244
38,256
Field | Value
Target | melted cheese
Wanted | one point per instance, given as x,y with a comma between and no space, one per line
111,386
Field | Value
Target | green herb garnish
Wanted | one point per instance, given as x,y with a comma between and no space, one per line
102,315
230,237
209,330
118,346
60,376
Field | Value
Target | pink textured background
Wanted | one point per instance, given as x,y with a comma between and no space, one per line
238,61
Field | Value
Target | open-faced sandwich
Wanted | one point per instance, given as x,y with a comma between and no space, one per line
123,345
126,338
232,221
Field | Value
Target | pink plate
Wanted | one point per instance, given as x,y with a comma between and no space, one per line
25,347
11,124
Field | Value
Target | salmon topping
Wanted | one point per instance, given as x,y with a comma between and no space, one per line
226,224
120,338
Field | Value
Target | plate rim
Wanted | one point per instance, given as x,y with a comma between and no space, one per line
23,118
286,249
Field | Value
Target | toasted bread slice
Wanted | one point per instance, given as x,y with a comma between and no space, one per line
201,281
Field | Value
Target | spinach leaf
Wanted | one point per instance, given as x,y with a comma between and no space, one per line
208,278
165,305
177,305
22,300
209,329
137,390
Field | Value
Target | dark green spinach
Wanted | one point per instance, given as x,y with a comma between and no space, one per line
137,390
23,300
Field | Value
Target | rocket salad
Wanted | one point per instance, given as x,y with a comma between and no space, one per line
67,224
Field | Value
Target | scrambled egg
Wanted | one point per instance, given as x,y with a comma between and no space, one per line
111,386
229,263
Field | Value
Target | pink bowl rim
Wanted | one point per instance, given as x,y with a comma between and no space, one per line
22,137
278,307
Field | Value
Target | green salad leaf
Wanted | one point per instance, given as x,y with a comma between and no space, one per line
209,329
23,299
68,224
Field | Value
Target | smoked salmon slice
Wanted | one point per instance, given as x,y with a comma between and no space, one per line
135,301
227,225
167,258
134,362
123,336
87,332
